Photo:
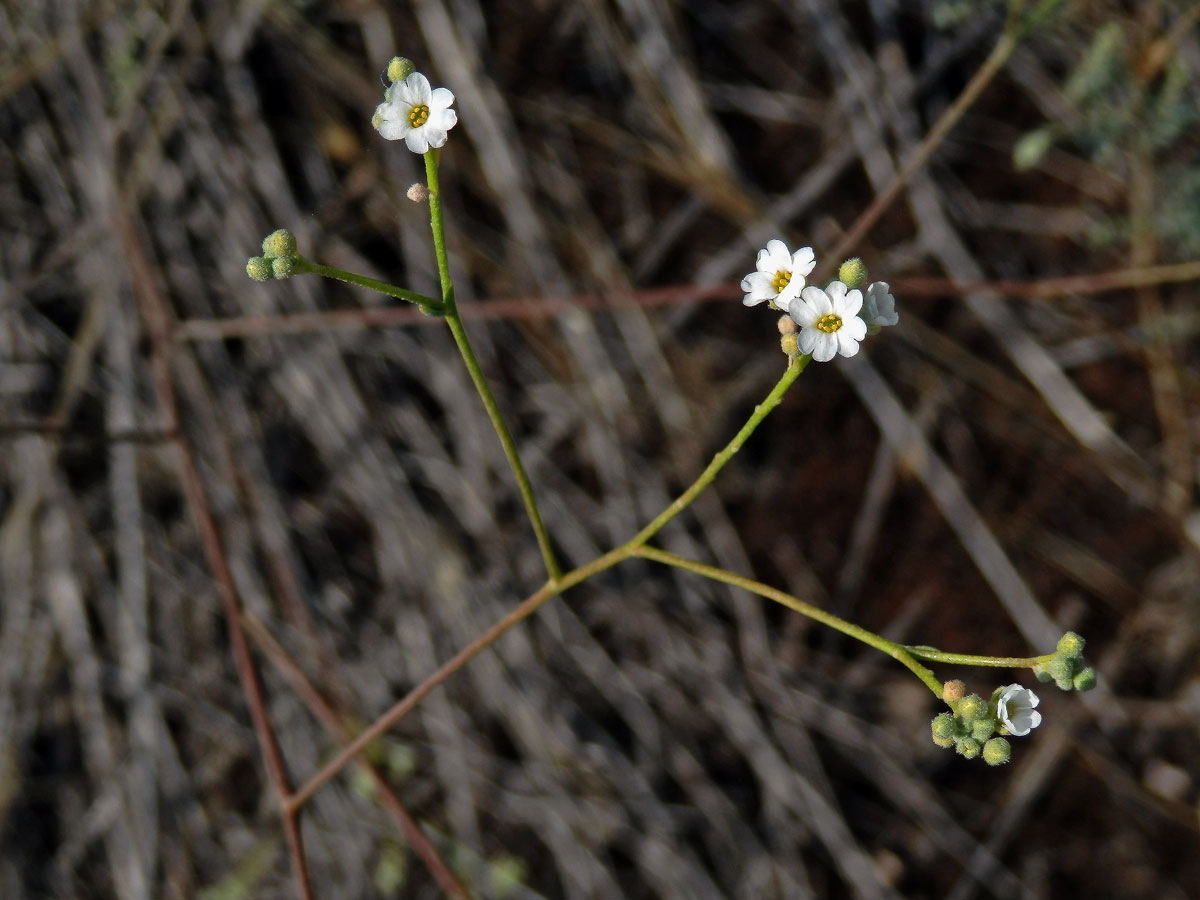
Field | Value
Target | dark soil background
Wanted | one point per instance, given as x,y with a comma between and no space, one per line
1003,465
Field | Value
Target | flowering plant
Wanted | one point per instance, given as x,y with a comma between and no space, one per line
820,322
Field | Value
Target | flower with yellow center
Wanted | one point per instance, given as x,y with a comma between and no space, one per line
413,111
828,320
779,274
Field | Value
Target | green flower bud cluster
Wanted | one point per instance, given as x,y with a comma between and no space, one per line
279,259
1067,669
970,731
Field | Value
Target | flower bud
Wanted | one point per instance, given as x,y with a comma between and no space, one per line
282,266
997,752
953,690
969,748
1042,672
259,268
1085,679
400,68
982,729
281,243
790,345
1071,645
1062,669
972,707
852,273
943,729
418,193
787,325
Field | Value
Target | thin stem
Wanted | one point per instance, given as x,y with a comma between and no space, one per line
534,601
897,651
991,66
453,319
718,462
308,267
965,659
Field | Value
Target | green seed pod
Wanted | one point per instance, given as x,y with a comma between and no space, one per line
997,752
1085,679
1071,645
852,273
969,748
282,266
982,729
400,68
277,244
972,707
259,268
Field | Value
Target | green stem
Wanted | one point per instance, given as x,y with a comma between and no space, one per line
450,309
761,411
898,652
931,654
427,304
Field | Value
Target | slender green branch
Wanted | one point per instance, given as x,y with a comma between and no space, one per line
476,372
898,652
931,654
427,304
718,462
556,586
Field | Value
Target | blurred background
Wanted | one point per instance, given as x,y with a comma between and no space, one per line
1016,458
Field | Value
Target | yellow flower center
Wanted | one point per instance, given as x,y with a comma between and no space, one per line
829,323
418,115
781,280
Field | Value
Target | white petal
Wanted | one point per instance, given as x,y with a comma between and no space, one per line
416,141
435,136
445,120
803,311
441,98
418,89
818,300
854,327
849,305
847,346
777,257
826,346
393,129
1035,718
803,261
807,339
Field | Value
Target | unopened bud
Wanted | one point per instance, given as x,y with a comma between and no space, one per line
853,273
790,345
418,193
943,729
282,266
259,268
969,748
953,690
982,729
279,243
972,707
1062,669
1071,645
997,752
400,68
787,325
1085,679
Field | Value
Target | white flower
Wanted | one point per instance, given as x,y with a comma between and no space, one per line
411,110
879,306
778,272
1015,710
828,320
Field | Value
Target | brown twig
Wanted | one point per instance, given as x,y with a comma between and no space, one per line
157,321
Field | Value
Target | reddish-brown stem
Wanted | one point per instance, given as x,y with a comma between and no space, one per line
527,308
336,726
157,321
